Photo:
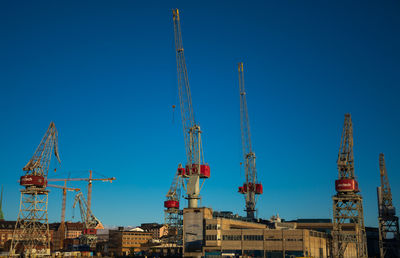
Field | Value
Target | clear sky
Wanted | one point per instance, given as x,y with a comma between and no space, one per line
105,73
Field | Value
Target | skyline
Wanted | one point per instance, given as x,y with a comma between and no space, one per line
107,78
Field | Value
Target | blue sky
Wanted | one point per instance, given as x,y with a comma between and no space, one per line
105,73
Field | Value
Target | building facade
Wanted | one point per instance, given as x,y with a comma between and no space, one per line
124,242
209,236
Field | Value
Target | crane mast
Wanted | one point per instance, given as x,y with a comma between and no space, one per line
251,187
195,167
34,238
389,237
347,203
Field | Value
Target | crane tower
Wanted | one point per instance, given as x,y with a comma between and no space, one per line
389,237
195,168
172,213
31,234
251,187
347,203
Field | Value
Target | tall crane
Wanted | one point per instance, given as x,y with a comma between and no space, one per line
251,187
172,213
195,168
347,203
91,223
389,236
90,180
31,234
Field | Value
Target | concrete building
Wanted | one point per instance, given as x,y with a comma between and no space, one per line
216,236
124,242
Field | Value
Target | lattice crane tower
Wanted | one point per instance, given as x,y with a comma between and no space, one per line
347,203
251,187
195,168
31,234
172,213
389,237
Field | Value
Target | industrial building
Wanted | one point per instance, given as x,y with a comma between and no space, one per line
207,235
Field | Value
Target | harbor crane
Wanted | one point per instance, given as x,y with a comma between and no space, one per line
389,236
251,187
91,223
31,234
172,213
195,168
347,203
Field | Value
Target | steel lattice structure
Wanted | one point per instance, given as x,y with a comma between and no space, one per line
347,203
172,213
251,187
389,237
195,168
31,234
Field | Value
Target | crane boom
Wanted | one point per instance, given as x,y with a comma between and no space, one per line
185,98
90,179
345,160
110,179
251,187
88,218
39,163
195,167
174,191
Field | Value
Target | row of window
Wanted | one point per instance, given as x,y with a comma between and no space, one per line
135,238
211,237
253,237
248,238
131,243
212,226
232,237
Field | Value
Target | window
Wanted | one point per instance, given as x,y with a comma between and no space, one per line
212,227
211,237
253,237
294,239
274,239
232,237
